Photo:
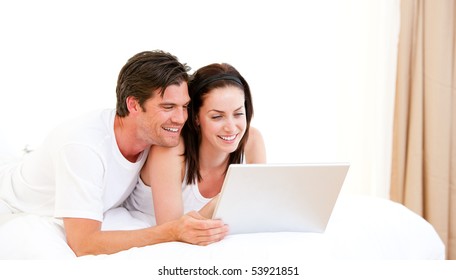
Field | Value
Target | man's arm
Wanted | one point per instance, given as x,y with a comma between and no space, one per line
85,237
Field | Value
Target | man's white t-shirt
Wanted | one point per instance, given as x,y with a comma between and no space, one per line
78,172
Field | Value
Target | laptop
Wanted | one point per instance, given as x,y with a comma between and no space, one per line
279,197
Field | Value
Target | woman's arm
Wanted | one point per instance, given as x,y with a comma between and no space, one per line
255,150
208,210
164,172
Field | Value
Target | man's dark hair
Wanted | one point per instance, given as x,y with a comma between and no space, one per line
145,73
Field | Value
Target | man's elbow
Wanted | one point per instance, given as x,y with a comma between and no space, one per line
81,248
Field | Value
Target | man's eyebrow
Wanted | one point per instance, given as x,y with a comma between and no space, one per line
169,103
166,103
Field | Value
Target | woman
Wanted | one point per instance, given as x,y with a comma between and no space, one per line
217,133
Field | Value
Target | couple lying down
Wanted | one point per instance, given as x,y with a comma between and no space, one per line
171,134
189,176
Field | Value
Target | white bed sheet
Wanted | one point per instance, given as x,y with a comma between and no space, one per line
361,228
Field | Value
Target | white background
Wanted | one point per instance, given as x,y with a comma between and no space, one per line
321,72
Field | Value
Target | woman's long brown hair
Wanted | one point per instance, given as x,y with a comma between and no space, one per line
200,84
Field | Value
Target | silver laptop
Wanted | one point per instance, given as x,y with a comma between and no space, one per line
279,197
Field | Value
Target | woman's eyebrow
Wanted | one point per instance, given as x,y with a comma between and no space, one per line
219,111
215,110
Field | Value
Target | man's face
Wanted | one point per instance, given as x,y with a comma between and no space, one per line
163,118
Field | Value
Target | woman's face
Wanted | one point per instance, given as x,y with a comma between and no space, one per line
222,118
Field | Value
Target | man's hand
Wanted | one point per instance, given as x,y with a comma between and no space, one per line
195,229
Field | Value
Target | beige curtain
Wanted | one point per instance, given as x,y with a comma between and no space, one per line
424,136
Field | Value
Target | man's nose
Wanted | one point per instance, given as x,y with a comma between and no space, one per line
180,115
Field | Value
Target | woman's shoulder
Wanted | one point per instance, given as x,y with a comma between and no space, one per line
179,149
255,150
254,134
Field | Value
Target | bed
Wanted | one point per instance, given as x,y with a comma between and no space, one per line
360,228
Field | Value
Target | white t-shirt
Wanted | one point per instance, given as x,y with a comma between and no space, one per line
78,172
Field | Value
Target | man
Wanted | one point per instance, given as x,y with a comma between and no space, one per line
90,165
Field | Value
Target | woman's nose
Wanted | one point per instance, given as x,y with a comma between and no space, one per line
230,125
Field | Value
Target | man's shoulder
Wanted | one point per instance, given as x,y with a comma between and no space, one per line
89,119
91,128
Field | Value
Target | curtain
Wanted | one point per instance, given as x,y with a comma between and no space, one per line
423,175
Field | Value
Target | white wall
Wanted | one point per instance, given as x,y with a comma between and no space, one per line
321,72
